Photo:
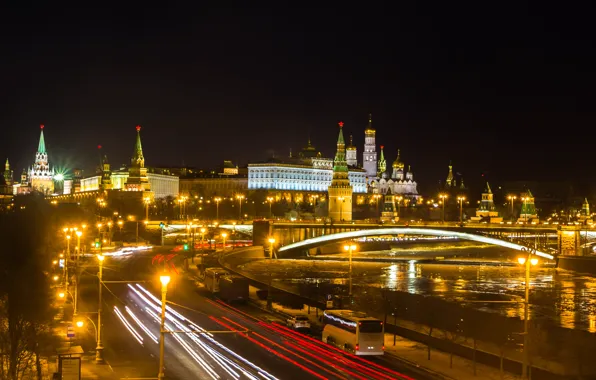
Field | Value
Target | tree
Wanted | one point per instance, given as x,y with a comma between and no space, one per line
25,299
424,311
453,328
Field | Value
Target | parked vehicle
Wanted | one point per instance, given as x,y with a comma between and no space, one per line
354,332
233,288
298,322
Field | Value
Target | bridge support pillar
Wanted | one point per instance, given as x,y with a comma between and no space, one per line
569,240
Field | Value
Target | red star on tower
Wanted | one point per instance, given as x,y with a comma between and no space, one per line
341,124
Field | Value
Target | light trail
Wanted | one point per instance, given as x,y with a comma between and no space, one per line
407,231
134,332
141,325
196,334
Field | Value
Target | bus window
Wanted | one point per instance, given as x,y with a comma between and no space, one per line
370,326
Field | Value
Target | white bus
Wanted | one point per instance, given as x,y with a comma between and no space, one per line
212,276
354,332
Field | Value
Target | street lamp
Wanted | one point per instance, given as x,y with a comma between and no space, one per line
461,200
217,200
76,292
203,229
271,242
99,348
165,279
147,200
399,199
511,198
240,197
110,224
80,323
270,200
66,257
224,236
350,248
377,197
443,198
527,262
120,223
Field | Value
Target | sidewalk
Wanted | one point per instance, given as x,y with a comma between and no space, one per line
89,370
408,351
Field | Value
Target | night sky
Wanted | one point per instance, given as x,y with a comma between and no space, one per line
507,90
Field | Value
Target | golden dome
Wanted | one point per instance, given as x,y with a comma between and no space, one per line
397,164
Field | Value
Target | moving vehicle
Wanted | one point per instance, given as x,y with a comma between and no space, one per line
354,332
298,322
212,278
233,288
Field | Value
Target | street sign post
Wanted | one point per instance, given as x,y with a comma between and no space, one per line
70,368
70,333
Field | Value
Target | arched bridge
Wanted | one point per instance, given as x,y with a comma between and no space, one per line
320,240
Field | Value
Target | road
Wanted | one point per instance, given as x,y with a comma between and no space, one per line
212,340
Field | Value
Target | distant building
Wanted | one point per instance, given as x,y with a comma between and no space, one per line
227,182
40,175
369,156
528,212
401,182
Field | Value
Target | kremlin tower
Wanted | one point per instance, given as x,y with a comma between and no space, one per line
369,156
137,173
41,177
340,190
351,154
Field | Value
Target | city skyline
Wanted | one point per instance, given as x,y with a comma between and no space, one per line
238,84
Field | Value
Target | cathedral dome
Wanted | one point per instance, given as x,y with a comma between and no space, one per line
397,164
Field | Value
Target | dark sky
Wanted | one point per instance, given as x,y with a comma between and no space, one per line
502,89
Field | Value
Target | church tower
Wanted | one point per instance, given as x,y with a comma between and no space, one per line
450,181
369,156
382,165
8,178
340,190
585,205
40,175
137,173
106,176
351,154
398,168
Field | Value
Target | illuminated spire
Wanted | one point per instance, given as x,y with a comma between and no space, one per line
41,148
7,165
339,163
138,158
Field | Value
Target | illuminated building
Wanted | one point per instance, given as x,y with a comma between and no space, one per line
40,175
351,154
340,190
486,211
401,182
6,189
382,164
528,212
369,156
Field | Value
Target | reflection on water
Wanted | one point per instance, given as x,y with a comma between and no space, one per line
566,298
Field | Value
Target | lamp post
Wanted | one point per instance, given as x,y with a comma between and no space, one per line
341,207
377,197
399,199
443,198
223,237
99,348
511,198
461,200
240,197
526,261
217,200
147,200
203,238
165,279
270,200
66,257
120,223
81,323
351,247
269,288
76,295
110,224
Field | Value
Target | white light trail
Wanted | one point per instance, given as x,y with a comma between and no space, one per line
141,325
407,231
134,332
195,332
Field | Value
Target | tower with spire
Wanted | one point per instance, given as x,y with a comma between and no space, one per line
382,164
8,176
528,212
369,156
340,190
450,181
487,211
137,172
106,175
40,175
351,154
398,168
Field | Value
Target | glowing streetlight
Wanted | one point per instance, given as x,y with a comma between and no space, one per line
526,262
351,247
99,348
224,236
443,198
217,200
165,280
270,200
240,197
461,200
511,198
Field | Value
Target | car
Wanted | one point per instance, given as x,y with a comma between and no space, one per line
298,322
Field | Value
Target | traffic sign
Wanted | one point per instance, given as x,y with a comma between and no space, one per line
70,331
329,297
